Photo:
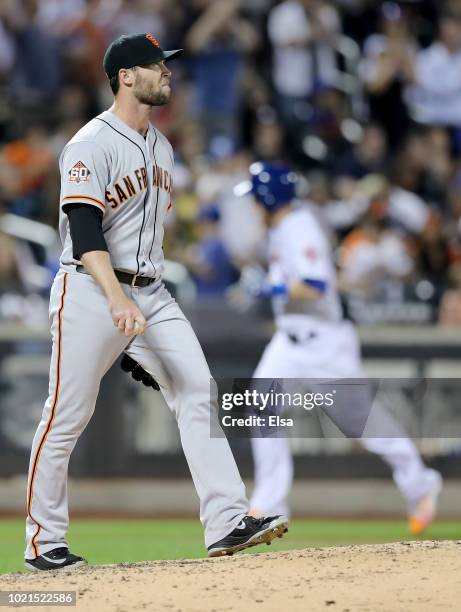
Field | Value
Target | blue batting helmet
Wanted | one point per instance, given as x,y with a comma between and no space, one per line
272,184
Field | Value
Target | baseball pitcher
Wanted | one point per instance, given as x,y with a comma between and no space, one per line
108,298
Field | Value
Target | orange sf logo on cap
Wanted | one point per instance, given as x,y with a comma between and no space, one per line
153,40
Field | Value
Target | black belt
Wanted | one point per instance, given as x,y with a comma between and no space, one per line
299,340
126,278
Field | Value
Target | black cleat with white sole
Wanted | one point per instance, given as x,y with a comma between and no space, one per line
250,532
55,559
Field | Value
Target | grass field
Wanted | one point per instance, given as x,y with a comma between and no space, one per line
117,541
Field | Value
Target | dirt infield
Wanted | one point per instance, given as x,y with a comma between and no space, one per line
406,577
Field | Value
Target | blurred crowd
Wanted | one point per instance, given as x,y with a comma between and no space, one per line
362,97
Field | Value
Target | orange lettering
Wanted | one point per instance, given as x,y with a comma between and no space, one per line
121,194
113,202
139,177
129,186
144,176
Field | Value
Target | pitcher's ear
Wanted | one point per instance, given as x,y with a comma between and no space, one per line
127,76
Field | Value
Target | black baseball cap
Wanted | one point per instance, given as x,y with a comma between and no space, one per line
135,50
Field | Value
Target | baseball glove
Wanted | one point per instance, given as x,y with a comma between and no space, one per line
138,372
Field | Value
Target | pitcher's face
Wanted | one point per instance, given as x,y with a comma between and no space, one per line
152,84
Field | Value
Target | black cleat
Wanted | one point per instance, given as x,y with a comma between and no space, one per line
54,559
250,532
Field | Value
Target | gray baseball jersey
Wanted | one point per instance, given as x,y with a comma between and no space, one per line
130,179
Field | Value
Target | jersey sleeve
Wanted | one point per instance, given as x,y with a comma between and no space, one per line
84,175
308,255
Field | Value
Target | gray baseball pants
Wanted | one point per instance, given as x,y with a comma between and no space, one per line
85,345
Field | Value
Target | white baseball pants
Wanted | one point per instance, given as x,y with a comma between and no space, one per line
334,353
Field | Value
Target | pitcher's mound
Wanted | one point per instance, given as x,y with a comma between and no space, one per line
404,577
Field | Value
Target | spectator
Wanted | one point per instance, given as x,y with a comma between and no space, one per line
25,166
241,224
425,166
302,34
268,140
7,47
218,41
373,255
190,143
369,156
359,17
37,69
436,95
388,66
322,140
399,208
134,16
432,260
84,50
208,260
54,16
346,207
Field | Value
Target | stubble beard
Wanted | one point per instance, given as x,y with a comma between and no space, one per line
151,98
